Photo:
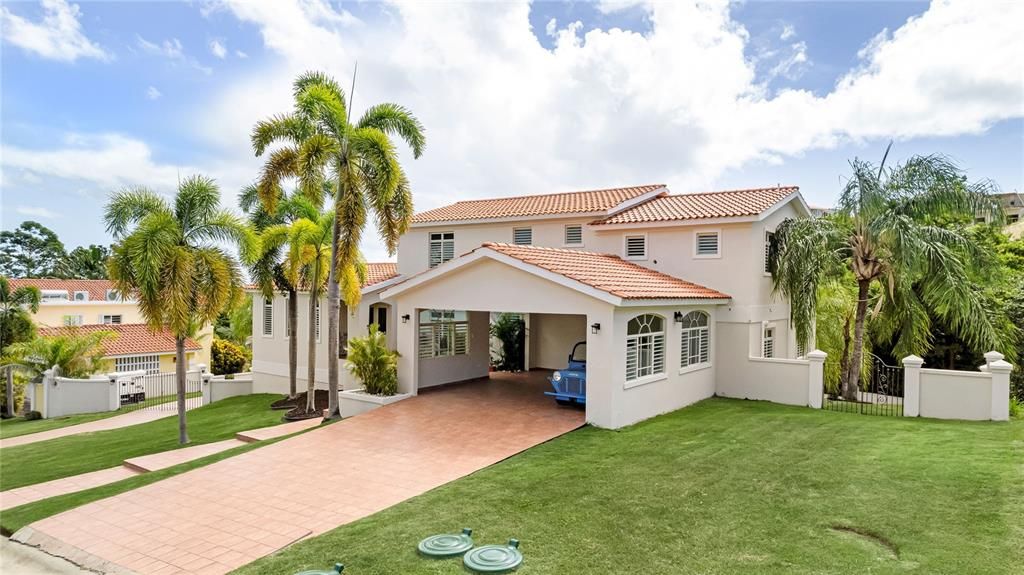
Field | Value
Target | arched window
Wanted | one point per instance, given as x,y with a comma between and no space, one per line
645,346
696,339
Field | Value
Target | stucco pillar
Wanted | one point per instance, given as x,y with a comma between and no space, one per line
48,382
405,342
602,387
1000,371
207,389
912,385
114,400
816,378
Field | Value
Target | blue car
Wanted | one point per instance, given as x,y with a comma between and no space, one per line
571,383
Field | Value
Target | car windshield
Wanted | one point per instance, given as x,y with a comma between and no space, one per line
579,353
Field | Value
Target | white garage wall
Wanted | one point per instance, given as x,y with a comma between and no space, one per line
552,337
441,370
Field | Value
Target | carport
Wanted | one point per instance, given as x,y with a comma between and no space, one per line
568,295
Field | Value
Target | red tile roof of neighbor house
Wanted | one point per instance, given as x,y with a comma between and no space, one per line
588,201
608,273
378,272
97,288
132,338
727,204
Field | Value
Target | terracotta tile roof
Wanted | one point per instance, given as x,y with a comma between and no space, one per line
132,338
608,273
726,204
378,272
97,288
588,201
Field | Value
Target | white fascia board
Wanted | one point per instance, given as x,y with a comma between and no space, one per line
801,205
633,202
673,302
482,252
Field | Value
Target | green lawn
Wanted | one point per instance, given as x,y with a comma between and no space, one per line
721,487
66,456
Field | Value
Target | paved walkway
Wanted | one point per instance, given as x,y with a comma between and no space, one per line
143,464
144,415
221,516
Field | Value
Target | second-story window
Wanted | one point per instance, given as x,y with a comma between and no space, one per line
442,248
522,236
769,237
636,247
110,319
574,235
268,317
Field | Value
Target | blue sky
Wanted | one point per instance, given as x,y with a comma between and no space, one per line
516,97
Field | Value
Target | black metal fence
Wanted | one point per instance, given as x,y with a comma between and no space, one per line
880,393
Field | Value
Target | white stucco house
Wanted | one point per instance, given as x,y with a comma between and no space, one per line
670,291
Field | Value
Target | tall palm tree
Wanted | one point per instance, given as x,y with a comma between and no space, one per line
318,138
888,233
172,261
15,306
266,270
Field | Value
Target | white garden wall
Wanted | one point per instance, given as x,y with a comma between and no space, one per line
949,394
216,388
788,381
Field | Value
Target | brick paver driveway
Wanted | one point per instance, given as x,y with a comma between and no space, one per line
221,516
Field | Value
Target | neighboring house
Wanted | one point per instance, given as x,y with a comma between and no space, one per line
1013,207
92,303
670,292
136,347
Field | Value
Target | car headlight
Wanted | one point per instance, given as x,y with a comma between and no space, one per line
557,376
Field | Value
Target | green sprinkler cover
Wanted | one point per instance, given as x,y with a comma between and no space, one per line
494,558
338,568
446,545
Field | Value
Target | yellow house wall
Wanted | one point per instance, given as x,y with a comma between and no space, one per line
52,314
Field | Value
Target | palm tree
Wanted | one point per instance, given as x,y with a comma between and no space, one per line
172,262
319,137
15,306
75,354
888,233
266,270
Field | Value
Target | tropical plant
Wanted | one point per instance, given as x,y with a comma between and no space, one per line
510,330
169,257
226,357
235,323
86,263
885,233
373,363
76,353
317,137
15,326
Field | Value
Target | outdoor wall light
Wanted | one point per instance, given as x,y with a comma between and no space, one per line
595,327
678,316
405,318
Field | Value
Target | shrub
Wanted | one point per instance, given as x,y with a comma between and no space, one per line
226,357
510,329
33,415
373,363
19,391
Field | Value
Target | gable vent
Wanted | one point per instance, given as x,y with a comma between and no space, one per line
636,247
522,236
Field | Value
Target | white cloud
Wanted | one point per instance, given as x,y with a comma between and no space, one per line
57,36
152,93
218,49
241,54
551,27
37,212
173,50
788,31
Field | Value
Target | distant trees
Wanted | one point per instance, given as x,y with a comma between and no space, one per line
33,250
86,263
15,326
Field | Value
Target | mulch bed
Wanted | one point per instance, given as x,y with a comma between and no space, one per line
297,406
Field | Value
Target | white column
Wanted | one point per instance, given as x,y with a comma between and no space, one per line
207,388
1000,371
114,400
912,385
48,382
816,378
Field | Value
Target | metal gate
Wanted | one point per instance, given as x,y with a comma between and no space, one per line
880,393
158,391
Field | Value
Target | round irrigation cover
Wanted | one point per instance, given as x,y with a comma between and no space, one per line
446,545
338,568
494,558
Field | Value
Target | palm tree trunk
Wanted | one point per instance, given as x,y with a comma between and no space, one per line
333,319
293,342
311,357
179,372
851,385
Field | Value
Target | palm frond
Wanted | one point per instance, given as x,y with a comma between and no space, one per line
393,119
129,206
